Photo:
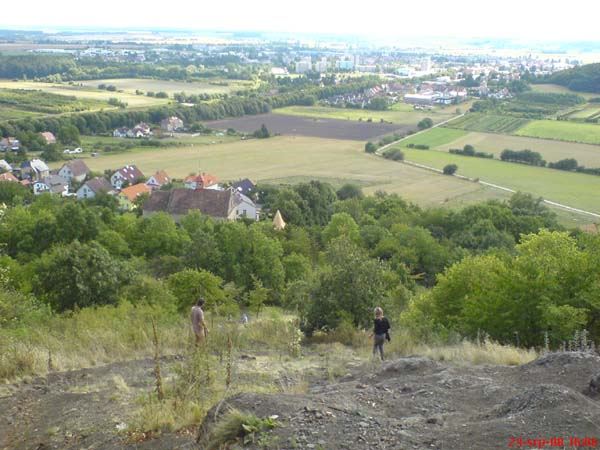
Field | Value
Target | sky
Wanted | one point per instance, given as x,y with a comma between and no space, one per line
516,19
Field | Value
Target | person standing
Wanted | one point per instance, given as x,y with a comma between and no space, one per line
381,327
198,324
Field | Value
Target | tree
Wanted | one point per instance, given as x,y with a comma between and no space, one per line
370,147
188,285
379,104
257,297
348,191
69,135
348,287
341,224
262,133
425,123
78,275
450,169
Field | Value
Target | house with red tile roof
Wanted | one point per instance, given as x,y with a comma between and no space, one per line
158,179
202,181
128,195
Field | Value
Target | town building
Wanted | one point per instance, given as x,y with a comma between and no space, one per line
35,169
202,181
94,187
52,184
130,174
74,170
172,123
128,195
9,143
48,137
220,205
157,180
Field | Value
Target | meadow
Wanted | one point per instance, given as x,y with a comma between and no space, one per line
572,189
562,131
402,114
130,85
588,112
289,159
82,92
551,150
436,137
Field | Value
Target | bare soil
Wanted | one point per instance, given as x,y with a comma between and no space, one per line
409,403
310,126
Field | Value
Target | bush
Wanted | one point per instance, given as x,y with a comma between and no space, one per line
450,169
395,154
425,123
370,147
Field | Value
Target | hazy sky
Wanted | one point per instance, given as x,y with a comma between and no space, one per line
530,19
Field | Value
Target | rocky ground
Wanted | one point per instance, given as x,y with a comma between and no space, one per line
410,403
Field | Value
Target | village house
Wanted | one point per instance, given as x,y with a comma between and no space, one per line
172,123
244,206
120,132
52,184
220,205
48,137
157,180
7,176
202,181
74,170
141,130
128,195
9,143
130,174
4,166
245,186
35,169
94,187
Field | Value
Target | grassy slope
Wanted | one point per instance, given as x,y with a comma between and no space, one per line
397,116
586,154
564,187
557,89
562,130
291,159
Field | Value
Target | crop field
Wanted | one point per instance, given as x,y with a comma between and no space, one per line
572,189
586,154
401,116
562,131
130,85
589,112
110,145
489,123
436,137
82,92
27,102
310,126
291,159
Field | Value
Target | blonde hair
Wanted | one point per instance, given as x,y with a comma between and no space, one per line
378,312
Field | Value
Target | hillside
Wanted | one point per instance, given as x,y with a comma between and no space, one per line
411,402
583,78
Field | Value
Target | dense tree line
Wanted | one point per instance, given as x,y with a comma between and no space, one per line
523,156
469,150
584,78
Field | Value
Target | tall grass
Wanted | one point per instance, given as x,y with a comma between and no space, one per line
89,337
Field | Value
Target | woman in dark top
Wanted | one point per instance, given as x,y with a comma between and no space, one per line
380,331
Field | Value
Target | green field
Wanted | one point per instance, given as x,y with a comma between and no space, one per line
586,154
130,85
489,123
401,116
572,189
436,137
562,131
111,145
82,92
290,159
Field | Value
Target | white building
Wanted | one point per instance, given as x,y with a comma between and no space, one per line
321,65
304,65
